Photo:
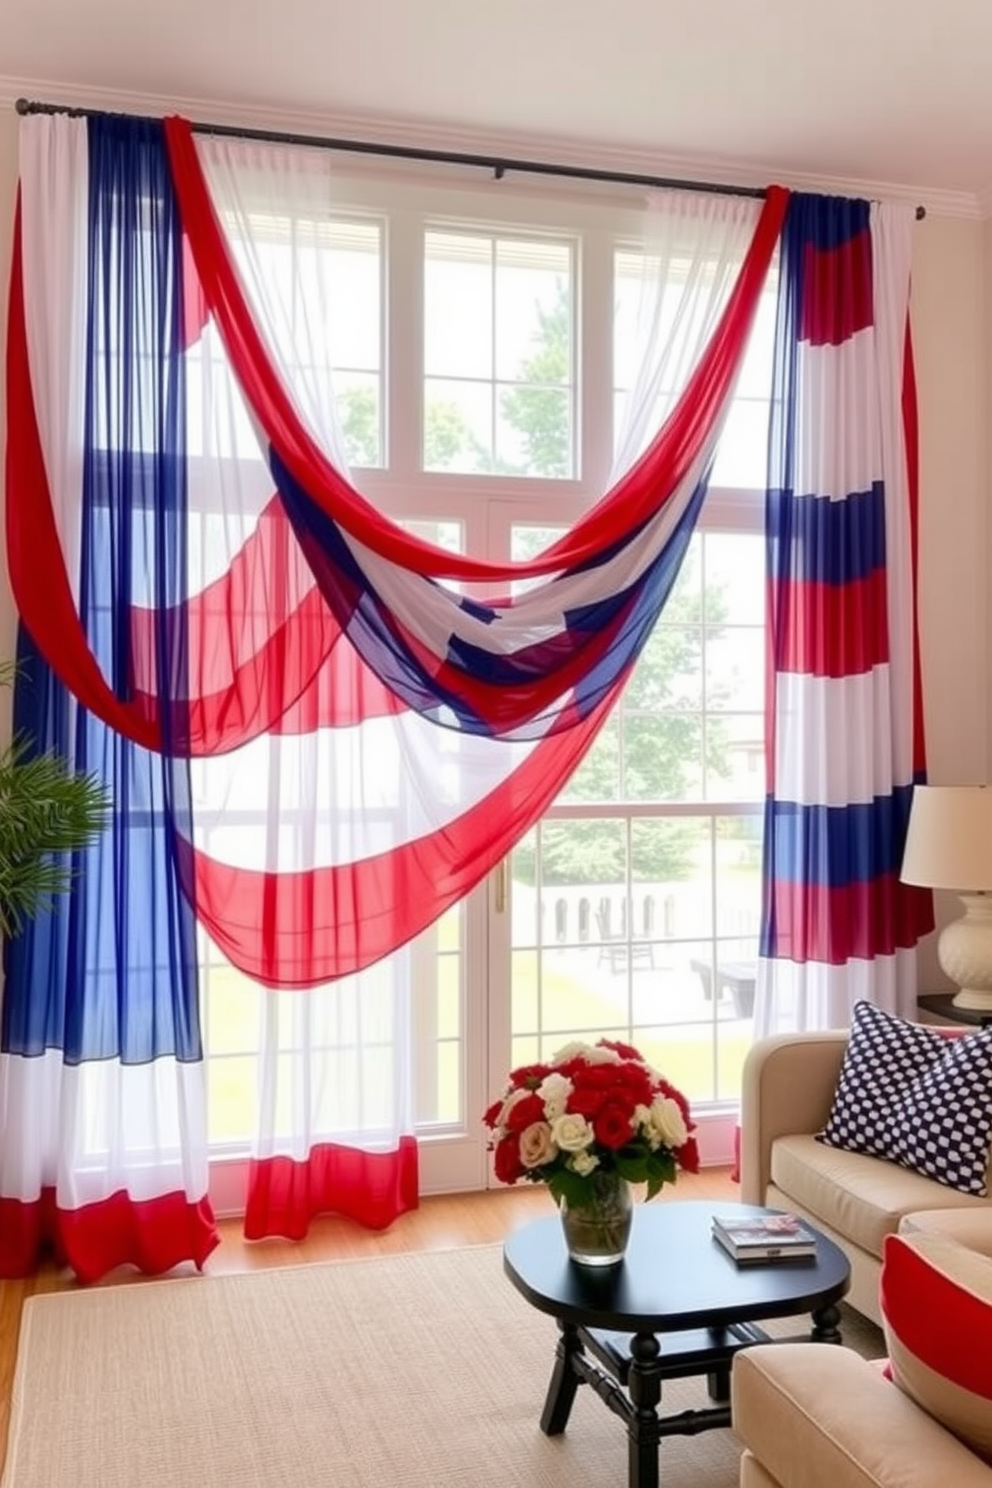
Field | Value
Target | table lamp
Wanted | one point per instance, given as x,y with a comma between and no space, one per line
949,846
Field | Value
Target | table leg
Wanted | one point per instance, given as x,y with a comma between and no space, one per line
643,1433
826,1321
564,1382
718,1384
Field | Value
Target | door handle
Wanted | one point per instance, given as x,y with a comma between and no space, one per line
499,887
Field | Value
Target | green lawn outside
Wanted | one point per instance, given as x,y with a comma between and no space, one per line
700,1050
683,1046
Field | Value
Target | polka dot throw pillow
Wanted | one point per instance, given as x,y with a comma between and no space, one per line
908,1094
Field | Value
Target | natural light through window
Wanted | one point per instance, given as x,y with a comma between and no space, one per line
480,408
498,373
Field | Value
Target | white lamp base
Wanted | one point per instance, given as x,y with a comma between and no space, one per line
964,951
978,1002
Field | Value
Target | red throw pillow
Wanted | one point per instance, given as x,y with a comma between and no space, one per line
936,1299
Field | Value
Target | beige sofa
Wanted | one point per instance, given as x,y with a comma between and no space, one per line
807,1415
788,1086
812,1416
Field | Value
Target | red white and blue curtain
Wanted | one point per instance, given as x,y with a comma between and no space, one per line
316,738
101,1074
844,722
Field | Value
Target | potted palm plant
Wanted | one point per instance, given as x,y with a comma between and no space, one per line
46,812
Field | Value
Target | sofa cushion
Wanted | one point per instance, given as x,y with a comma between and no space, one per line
859,1197
812,1415
753,1475
936,1299
907,1094
969,1226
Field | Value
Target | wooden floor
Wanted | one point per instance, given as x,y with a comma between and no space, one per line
441,1223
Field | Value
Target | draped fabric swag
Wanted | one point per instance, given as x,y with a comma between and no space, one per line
317,739
844,734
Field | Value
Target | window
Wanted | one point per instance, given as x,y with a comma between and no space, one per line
481,345
639,892
498,338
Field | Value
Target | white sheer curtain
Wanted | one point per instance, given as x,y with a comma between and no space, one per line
693,247
54,176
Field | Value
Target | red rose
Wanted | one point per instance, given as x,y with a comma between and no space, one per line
506,1160
612,1126
524,1112
529,1076
586,1100
492,1115
635,1081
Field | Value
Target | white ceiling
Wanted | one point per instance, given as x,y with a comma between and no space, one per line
887,93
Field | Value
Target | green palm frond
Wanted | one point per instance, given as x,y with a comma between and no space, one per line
47,812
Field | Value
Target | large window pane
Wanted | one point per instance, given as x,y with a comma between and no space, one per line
357,398
735,571
458,306
458,426
498,355
643,928
742,454
661,756
734,668
328,278
598,776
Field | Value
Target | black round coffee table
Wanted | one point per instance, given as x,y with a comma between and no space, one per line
677,1305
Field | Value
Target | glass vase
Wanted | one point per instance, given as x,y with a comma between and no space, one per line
596,1232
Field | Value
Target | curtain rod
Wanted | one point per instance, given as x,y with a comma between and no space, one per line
498,164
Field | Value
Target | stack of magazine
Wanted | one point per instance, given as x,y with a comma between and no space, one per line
764,1237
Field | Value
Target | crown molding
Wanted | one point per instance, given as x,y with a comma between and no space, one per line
382,129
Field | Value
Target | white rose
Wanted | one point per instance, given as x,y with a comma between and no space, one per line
571,1133
583,1163
587,1052
554,1091
643,1124
668,1122
537,1145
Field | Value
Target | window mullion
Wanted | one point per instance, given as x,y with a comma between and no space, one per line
594,340
404,334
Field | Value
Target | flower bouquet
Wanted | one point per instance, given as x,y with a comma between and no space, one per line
592,1110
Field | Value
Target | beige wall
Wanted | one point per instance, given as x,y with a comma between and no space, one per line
952,343
952,283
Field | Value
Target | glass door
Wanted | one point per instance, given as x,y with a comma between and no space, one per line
633,905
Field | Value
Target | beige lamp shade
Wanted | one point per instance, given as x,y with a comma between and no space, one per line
949,846
949,841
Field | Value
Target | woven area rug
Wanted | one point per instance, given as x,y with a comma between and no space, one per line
420,1371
